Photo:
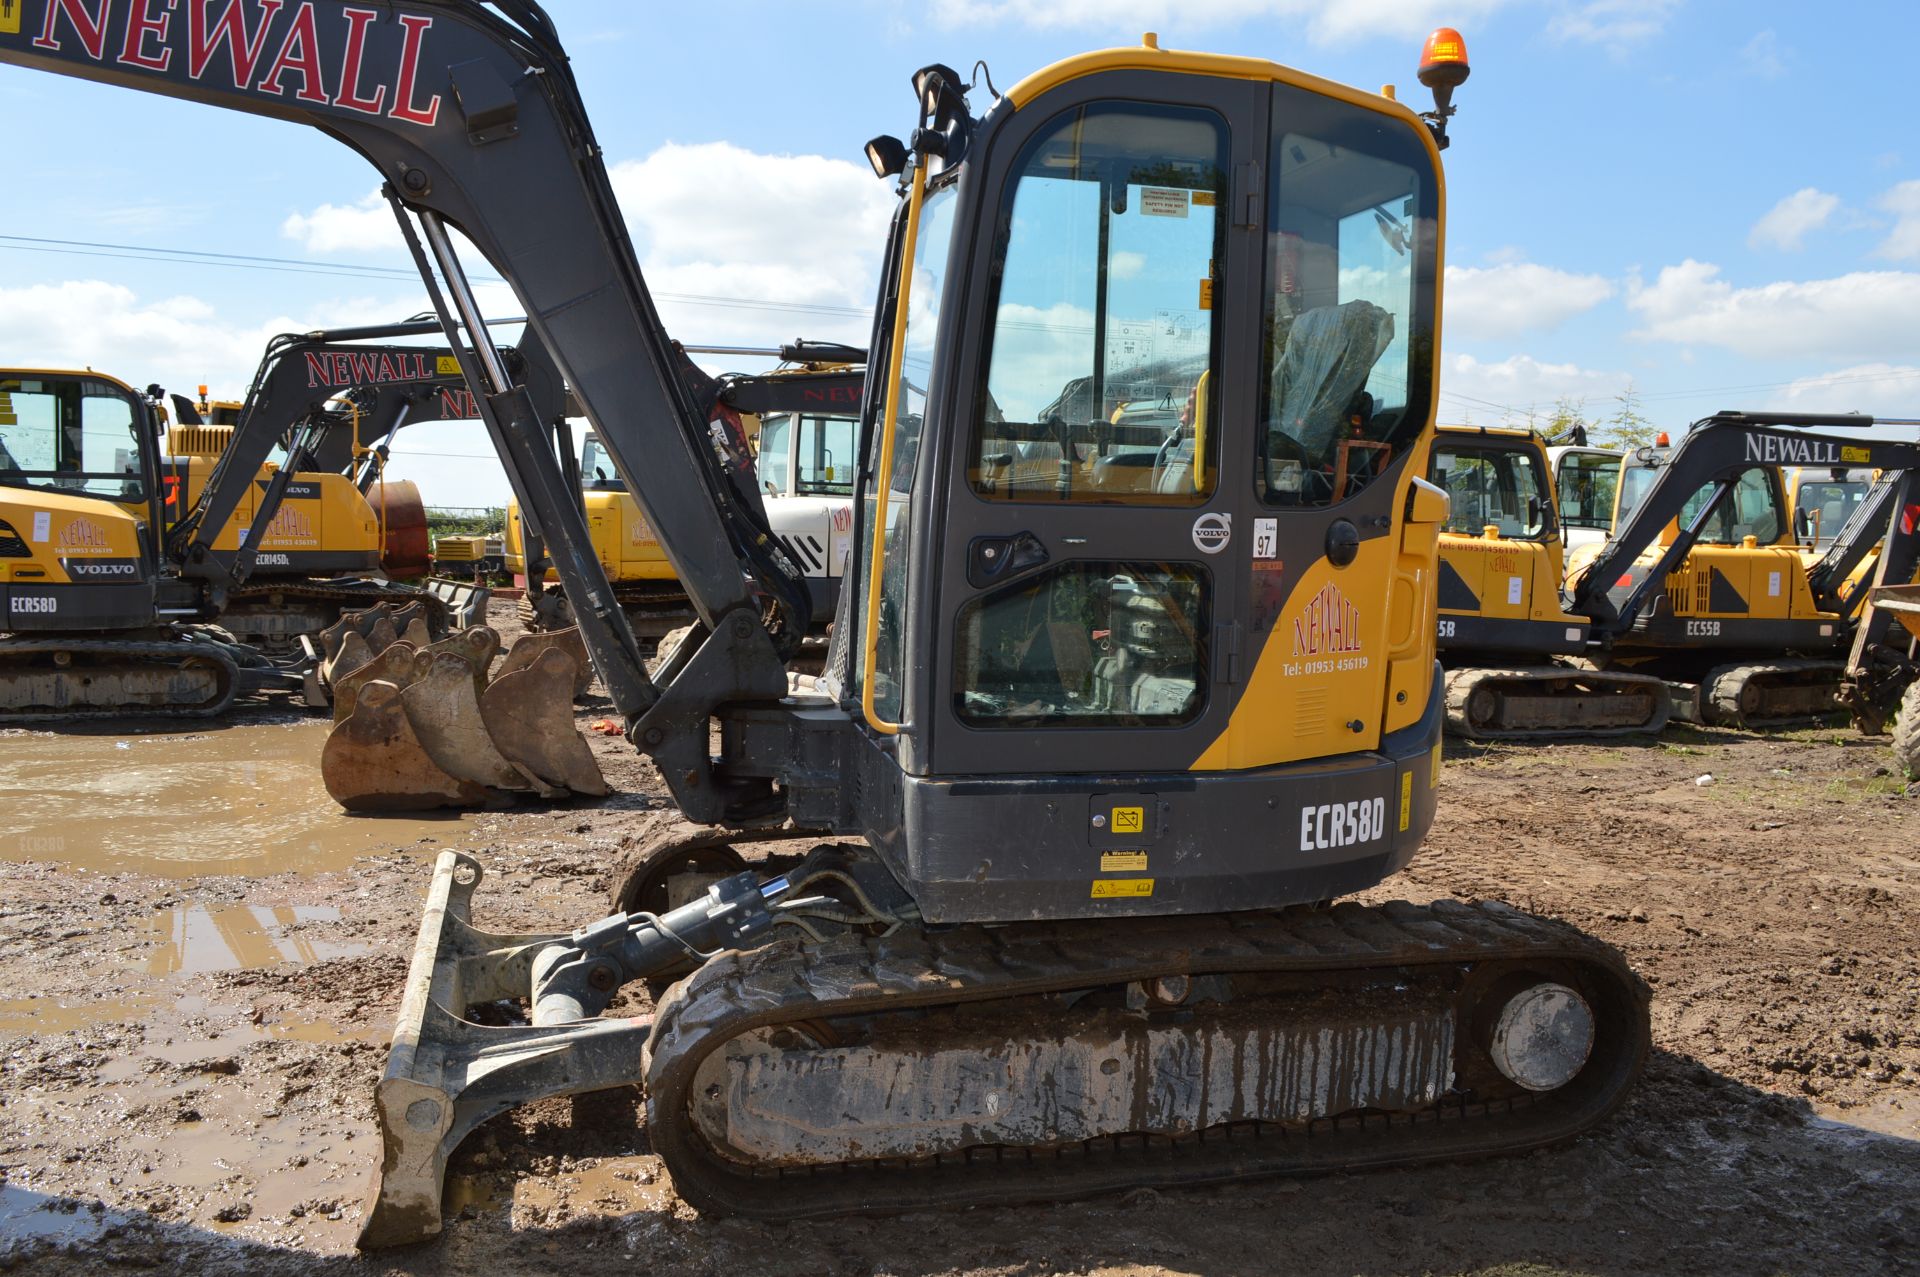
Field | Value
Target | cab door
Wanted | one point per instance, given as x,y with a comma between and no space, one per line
1087,589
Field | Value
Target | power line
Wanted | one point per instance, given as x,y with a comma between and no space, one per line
347,270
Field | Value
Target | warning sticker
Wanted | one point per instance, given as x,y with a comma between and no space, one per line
1773,585
1406,799
1266,538
10,18
446,366
1206,294
1203,199
42,524
1433,770
1123,862
1157,201
1129,820
1122,888
1856,456
1516,590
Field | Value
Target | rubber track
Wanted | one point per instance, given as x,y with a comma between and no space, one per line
154,652
361,594
796,981
1462,683
1727,684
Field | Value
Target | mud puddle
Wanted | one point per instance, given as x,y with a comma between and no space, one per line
184,804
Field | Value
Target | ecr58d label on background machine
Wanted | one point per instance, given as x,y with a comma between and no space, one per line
1136,649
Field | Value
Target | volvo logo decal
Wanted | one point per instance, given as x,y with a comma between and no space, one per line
1211,532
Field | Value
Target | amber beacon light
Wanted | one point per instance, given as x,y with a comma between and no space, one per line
1443,68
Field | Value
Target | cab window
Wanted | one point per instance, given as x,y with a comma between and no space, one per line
596,468
1085,645
1104,333
1348,349
1492,488
1753,510
71,434
1586,482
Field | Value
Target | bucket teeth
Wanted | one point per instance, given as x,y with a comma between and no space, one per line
373,761
395,666
529,714
444,710
527,648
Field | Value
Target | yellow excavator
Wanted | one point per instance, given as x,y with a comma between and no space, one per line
1001,906
1516,659
809,405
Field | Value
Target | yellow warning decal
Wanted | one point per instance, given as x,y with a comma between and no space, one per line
1203,199
446,366
1129,820
1122,888
1406,799
1206,294
1433,768
1123,862
1857,456
10,16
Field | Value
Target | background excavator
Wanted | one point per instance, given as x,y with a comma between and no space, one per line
1076,750
799,421
1740,625
1703,584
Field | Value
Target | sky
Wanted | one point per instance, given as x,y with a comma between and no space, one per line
1706,203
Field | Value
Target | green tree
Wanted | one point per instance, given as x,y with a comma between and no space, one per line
1628,427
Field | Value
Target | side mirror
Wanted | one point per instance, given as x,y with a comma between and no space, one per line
1803,524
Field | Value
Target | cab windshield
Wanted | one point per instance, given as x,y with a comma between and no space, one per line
1492,488
596,468
1824,504
1753,511
807,456
1586,482
71,434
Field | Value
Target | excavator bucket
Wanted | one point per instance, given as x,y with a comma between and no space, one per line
1902,602
528,647
440,734
529,714
374,762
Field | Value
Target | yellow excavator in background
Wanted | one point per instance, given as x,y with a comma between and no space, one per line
1514,656
803,461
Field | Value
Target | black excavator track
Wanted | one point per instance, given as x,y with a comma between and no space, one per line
1772,693
1443,958
1539,702
178,678
278,598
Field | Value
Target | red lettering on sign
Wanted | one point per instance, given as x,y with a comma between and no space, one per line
89,24
317,370
299,53
357,20
458,403
140,24
230,28
403,107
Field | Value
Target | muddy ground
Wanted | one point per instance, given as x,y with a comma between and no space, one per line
200,960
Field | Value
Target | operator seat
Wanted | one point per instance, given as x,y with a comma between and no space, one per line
1330,353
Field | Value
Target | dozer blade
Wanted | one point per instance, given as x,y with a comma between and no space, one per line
395,666
529,715
444,710
373,761
445,1075
528,647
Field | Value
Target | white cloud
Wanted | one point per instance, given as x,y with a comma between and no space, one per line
773,231
179,342
1325,23
1880,389
366,227
1861,316
1787,223
1763,56
1475,389
1903,242
1613,21
1515,298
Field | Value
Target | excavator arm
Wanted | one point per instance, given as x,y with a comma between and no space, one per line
471,115
1715,452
